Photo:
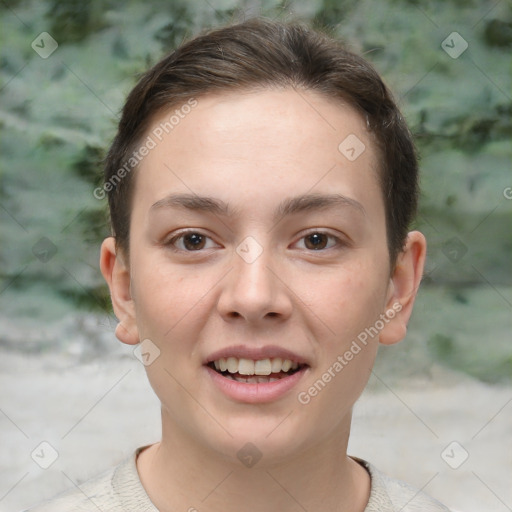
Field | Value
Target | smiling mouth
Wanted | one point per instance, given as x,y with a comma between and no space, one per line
259,371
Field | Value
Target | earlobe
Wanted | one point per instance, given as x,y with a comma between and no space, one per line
116,273
403,288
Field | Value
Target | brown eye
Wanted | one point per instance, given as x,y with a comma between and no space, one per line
191,241
316,241
194,241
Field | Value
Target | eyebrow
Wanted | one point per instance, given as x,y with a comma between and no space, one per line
194,202
317,202
302,203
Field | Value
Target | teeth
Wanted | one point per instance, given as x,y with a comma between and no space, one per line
245,367
232,365
252,380
287,364
267,379
249,367
277,364
263,367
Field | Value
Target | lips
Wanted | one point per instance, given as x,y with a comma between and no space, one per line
255,375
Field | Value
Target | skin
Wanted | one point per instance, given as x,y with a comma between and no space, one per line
253,151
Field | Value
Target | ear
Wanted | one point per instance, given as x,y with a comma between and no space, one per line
116,272
403,286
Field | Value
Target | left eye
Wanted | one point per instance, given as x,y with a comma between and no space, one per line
317,241
192,242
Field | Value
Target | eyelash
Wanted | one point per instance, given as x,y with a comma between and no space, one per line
171,243
337,241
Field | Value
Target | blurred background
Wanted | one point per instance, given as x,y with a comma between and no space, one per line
66,67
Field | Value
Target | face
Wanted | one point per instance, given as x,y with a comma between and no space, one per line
258,256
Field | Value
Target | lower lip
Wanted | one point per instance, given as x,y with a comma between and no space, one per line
255,393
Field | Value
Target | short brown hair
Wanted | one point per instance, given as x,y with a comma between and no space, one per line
261,53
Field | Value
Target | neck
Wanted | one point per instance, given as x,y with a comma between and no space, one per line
180,474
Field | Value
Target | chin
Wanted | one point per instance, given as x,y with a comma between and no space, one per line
261,440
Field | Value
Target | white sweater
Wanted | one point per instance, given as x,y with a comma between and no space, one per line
120,490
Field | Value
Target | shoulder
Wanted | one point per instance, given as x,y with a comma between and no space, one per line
117,490
83,498
390,495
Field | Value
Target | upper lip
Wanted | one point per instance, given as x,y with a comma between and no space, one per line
255,353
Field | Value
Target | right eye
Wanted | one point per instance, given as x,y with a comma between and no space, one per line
191,241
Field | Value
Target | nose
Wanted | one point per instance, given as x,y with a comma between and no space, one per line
252,291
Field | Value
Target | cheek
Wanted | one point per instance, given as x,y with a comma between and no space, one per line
167,298
345,300
346,305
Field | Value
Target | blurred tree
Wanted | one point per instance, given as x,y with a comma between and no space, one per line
74,20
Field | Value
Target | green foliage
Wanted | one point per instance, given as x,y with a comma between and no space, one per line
74,20
94,224
89,163
93,299
332,13
446,351
172,34
466,328
59,115
9,4
498,33
442,347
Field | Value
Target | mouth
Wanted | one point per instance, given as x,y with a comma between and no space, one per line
259,371
255,374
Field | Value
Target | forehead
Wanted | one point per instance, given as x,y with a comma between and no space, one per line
258,146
